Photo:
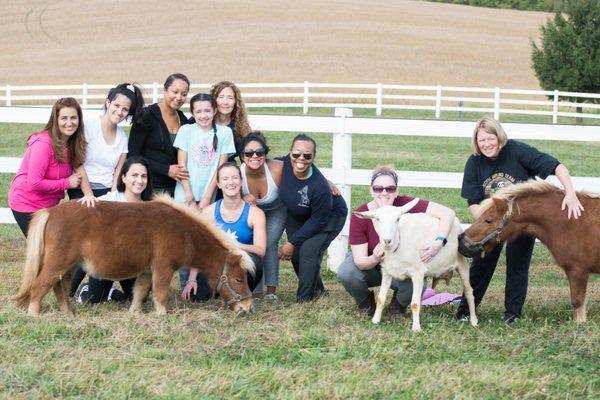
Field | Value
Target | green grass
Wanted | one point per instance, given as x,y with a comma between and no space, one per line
325,349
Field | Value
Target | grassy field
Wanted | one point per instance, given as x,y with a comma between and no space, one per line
325,349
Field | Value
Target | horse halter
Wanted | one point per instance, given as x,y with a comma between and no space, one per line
223,280
475,247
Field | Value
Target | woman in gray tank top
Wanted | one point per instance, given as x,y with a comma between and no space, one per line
261,177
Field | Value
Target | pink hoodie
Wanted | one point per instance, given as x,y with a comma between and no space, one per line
41,180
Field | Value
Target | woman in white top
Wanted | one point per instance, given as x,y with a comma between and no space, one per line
134,184
260,187
106,149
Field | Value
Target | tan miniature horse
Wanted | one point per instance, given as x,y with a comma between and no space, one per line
533,208
114,240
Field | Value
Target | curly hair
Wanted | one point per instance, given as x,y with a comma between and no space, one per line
239,116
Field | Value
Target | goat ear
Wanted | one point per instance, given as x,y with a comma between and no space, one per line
410,205
365,214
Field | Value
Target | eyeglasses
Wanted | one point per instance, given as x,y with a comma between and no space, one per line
380,189
305,155
258,152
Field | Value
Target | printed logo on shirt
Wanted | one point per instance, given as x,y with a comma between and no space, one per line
203,154
304,200
496,182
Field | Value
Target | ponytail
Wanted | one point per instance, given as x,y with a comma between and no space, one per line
134,93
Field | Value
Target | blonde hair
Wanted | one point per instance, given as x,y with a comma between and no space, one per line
387,170
491,126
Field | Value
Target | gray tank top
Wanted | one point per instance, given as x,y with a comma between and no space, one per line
271,200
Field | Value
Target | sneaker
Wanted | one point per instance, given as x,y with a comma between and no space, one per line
395,308
116,295
368,308
84,294
462,317
271,297
510,318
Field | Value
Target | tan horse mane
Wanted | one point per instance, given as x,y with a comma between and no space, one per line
531,187
225,240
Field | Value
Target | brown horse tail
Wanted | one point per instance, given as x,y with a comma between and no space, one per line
35,252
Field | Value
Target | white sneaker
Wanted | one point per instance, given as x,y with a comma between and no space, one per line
83,294
271,296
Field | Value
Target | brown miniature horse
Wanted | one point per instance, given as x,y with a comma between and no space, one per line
114,240
533,208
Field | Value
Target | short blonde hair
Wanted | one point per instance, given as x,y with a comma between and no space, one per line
387,170
491,126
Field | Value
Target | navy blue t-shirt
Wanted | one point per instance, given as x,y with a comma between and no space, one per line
309,200
516,162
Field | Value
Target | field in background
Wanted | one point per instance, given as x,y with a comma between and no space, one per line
388,41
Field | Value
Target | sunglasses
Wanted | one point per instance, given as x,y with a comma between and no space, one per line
258,152
305,155
380,189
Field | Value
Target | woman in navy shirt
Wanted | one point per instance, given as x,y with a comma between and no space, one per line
497,162
315,216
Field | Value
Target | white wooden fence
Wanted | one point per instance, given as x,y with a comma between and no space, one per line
343,126
376,96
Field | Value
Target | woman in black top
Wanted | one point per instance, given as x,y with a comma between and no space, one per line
153,134
497,162
315,216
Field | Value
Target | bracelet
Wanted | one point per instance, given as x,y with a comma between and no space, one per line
443,239
191,281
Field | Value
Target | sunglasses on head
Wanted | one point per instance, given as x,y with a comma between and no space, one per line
306,155
258,152
380,189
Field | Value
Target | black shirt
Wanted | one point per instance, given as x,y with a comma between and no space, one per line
309,200
516,162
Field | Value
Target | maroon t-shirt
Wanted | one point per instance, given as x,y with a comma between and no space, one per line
363,231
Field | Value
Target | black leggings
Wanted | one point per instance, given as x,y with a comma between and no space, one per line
204,291
23,219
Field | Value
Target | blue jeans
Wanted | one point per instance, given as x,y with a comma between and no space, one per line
276,219
357,282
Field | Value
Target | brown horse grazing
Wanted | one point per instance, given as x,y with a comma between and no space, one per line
115,240
533,208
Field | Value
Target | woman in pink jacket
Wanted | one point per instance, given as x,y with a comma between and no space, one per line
47,169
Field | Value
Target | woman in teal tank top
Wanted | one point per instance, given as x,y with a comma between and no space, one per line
244,222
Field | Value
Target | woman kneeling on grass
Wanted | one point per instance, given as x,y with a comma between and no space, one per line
315,216
134,185
361,270
243,222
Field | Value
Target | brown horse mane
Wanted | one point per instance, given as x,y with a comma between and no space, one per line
527,188
224,240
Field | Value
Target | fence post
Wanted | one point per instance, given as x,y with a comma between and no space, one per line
8,99
84,95
555,108
497,104
438,102
379,99
305,108
154,92
341,163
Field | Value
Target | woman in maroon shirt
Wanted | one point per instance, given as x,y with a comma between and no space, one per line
361,270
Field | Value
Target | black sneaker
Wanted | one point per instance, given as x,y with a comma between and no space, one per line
368,307
462,316
510,318
84,294
396,309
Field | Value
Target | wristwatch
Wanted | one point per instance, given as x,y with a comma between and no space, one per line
443,239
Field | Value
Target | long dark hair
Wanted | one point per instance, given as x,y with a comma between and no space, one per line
206,97
147,192
134,93
75,144
239,116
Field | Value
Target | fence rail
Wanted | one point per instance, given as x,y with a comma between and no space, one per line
377,96
343,127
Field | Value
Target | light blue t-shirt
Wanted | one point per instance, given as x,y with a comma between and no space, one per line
202,160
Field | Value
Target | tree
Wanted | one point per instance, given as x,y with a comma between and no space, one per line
569,56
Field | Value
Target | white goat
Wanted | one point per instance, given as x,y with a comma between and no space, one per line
402,236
